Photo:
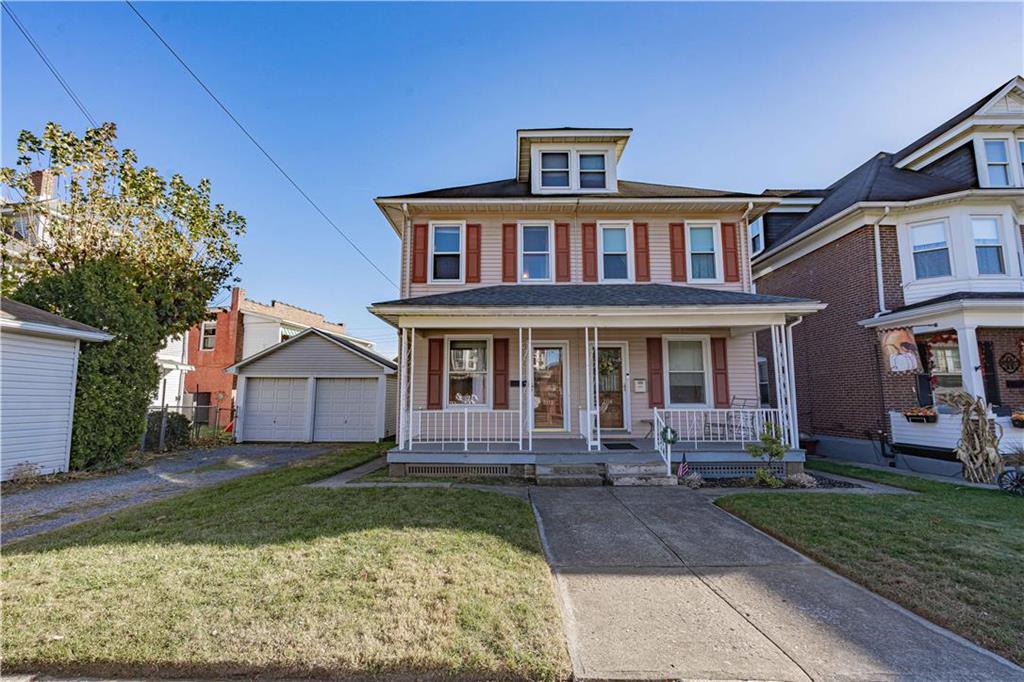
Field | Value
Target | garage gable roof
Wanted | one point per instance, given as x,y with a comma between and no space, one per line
339,341
16,316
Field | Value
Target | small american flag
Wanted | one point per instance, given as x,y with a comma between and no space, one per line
683,469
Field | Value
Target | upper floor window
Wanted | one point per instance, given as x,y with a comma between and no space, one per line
208,335
703,254
535,263
446,253
468,372
997,162
554,169
592,171
988,247
931,249
1020,155
757,236
616,245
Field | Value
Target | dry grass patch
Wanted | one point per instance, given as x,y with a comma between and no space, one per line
263,576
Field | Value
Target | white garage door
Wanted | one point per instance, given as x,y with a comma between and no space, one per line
346,410
275,409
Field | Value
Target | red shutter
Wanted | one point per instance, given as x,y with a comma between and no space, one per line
677,250
435,372
508,252
472,254
562,252
501,374
641,252
419,254
720,372
655,388
730,254
589,252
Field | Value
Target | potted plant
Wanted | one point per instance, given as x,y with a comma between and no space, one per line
1017,418
923,415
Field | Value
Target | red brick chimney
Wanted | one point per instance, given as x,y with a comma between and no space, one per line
44,183
237,295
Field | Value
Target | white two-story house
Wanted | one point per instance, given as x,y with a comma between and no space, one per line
567,311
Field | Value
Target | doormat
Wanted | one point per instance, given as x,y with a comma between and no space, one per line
620,446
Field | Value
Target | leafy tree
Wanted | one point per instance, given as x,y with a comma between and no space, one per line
129,252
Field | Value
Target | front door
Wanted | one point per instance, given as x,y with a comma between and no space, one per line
549,387
611,381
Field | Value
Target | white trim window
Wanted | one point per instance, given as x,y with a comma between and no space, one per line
536,252
757,236
997,162
555,169
615,246
446,252
593,170
208,335
988,245
704,252
1020,155
930,247
687,370
467,371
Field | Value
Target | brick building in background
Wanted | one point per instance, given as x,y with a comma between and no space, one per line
928,241
231,333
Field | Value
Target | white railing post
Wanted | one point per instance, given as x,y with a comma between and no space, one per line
529,392
597,391
465,428
412,377
519,353
403,377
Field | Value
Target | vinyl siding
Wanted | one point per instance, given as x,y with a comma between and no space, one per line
311,356
391,405
37,393
491,246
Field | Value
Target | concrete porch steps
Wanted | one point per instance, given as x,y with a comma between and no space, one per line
570,474
646,474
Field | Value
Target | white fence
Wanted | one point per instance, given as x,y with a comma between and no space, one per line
466,425
719,426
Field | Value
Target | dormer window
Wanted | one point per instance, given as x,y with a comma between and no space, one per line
997,162
554,171
592,171
583,168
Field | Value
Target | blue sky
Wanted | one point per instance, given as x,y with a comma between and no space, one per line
360,100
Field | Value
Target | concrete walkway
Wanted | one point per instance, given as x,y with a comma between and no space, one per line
54,505
659,583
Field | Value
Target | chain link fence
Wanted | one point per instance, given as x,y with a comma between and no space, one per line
178,426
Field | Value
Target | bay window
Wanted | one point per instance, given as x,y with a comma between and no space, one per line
988,247
535,264
930,249
468,372
702,245
997,162
615,258
446,253
687,371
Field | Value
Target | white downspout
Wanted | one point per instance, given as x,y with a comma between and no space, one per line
745,230
791,365
882,310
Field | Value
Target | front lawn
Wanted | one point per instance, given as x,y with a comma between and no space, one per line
262,576
952,554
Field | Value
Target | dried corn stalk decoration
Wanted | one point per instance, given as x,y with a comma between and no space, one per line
978,447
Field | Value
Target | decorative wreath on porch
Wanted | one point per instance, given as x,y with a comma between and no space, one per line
1009,363
669,435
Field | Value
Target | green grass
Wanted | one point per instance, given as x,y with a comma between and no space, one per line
261,576
952,554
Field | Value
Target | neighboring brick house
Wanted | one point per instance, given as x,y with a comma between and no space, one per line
929,240
229,334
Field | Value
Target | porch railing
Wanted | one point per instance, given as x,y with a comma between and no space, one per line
465,426
588,428
717,426
664,448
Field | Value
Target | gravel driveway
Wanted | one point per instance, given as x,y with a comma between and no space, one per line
56,505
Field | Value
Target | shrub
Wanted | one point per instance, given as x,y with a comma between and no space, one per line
801,480
693,480
766,478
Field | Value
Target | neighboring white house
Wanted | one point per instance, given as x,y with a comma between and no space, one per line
316,386
173,362
38,372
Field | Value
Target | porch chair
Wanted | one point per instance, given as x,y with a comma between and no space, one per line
740,426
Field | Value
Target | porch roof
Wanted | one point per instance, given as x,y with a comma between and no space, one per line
982,308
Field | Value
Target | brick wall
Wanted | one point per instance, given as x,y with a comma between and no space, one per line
1005,341
209,375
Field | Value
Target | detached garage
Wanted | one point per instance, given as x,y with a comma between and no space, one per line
316,386
38,374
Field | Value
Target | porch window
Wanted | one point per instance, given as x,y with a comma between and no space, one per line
592,171
208,335
554,169
615,260
763,387
998,163
468,372
687,379
931,250
701,243
945,366
988,247
536,256
446,246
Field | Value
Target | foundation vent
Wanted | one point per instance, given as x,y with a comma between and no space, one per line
457,469
736,469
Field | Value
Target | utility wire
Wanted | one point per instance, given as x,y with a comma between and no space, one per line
252,139
49,65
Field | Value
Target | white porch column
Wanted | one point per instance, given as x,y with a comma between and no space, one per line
403,377
529,391
782,376
586,428
412,382
519,354
970,361
794,427
597,390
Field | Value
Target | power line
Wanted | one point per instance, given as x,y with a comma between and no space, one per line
252,139
49,65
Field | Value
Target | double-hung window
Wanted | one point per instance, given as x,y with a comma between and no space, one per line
554,170
988,247
592,171
536,253
997,162
930,249
1020,156
702,245
208,335
757,236
615,241
687,371
468,372
446,253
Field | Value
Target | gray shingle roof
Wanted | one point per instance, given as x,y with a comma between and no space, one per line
968,296
574,295
513,189
22,312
